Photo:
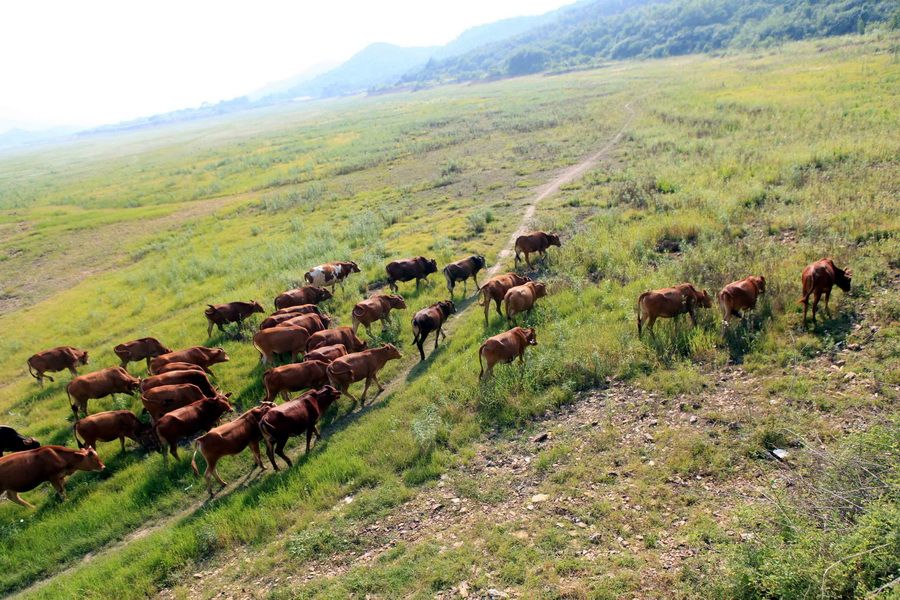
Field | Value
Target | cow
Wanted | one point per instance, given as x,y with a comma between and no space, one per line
375,308
536,241
818,278
330,274
739,295
166,398
197,378
113,380
338,335
495,288
431,319
418,268
305,295
141,349
312,323
180,366
198,355
326,353
669,303
293,378
505,347
229,439
522,298
295,417
461,270
289,339
344,371
24,471
56,359
12,441
300,309
219,315
188,420
110,425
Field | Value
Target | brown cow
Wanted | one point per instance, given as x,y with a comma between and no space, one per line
280,340
300,309
495,288
819,278
220,315
198,355
330,274
293,378
188,420
536,241
179,366
355,367
431,319
372,309
669,303
142,349
505,347
166,398
197,378
739,295
294,418
56,359
461,270
522,298
24,471
312,323
110,425
338,335
229,439
113,380
418,268
326,353
305,295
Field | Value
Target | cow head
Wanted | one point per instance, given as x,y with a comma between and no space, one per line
90,460
520,279
530,336
257,307
146,437
446,307
28,443
760,283
540,289
217,355
704,299
553,240
352,267
391,351
81,357
322,294
429,266
395,301
325,397
479,261
221,402
842,278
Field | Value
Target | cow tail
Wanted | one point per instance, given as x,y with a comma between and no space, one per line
807,292
194,458
483,299
357,312
480,364
75,433
266,433
640,311
415,328
33,374
726,311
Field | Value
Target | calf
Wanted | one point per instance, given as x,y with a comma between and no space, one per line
326,353
114,380
24,471
338,335
819,278
522,298
740,295
142,349
431,319
505,347
280,340
375,308
12,441
189,420
197,378
180,366
293,378
220,315
300,309
56,359
461,270
166,398
296,417
669,303
312,323
355,367
198,355
305,295
229,439
495,288
418,268
330,274
536,241
110,425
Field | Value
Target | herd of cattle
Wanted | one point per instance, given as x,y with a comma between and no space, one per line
181,402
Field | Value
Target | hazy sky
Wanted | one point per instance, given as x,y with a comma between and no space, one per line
85,62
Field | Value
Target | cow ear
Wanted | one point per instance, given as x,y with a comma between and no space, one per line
228,395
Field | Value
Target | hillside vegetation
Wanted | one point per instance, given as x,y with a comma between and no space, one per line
657,479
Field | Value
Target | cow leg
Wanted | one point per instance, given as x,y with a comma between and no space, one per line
437,337
257,459
14,496
284,395
827,298
40,379
528,260
173,448
693,317
815,306
362,399
270,452
59,484
211,468
122,442
392,285
209,327
279,450
309,434
346,392
419,343
378,383
71,370
650,323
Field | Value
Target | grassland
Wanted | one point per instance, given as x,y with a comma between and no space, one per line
751,164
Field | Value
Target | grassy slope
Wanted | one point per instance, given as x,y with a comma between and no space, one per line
735,142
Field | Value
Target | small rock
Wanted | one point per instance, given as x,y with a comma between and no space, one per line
198,575
595,538
540,437
463,589
494,593
850,376
693,418
540,498
780,454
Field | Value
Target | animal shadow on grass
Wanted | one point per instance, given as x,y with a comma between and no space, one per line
741,334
